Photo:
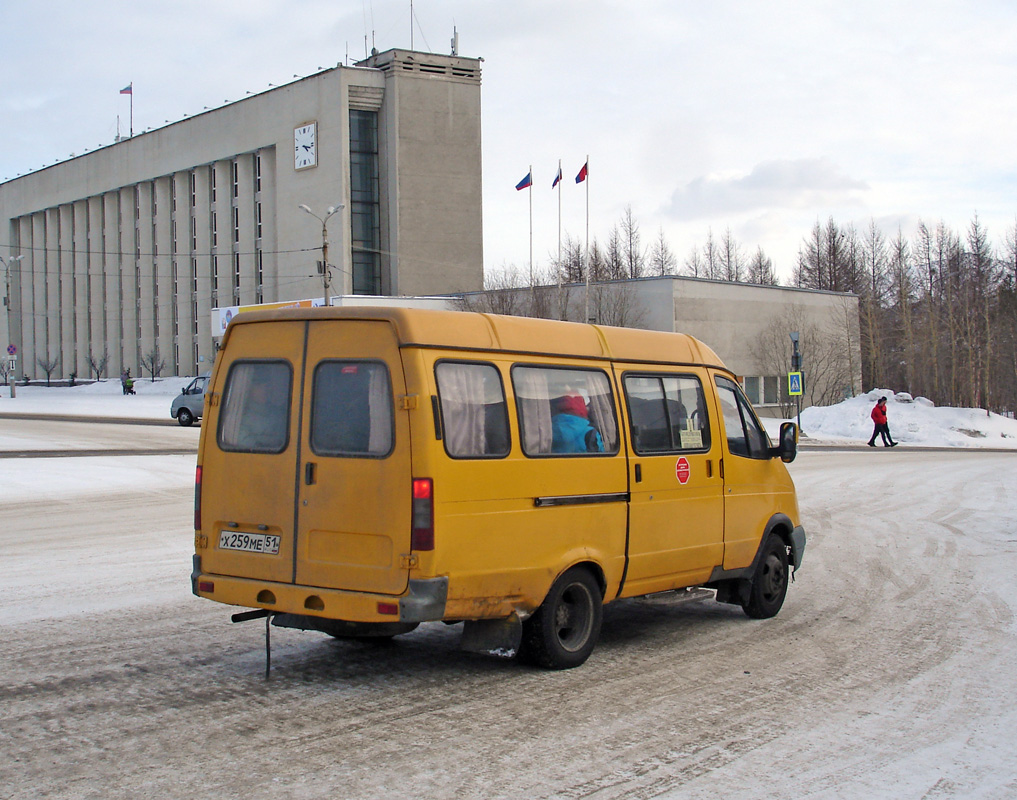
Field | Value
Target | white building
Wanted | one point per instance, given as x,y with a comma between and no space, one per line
125,250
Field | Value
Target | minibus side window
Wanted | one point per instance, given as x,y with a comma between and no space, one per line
565,411
745,437
351,409
667,413
474,415
256,407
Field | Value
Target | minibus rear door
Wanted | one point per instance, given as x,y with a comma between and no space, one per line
354,479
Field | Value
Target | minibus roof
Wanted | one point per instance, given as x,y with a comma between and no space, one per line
464,330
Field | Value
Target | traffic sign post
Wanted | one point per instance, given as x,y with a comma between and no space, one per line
795,378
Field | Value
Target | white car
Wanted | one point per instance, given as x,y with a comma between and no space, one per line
189,405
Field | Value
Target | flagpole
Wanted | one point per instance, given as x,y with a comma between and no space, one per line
132,109
587,270
531,226
559,222
563,312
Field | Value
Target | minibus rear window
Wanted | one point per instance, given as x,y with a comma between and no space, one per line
256,407
351,410
473,411
565,411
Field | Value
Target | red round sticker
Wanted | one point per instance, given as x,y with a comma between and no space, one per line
682,470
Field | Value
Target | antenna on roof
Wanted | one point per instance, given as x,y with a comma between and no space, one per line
455,41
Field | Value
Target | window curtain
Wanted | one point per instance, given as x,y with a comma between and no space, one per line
535,410
461,387
380,411
602,412
237,388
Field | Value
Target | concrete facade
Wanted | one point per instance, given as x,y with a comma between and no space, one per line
747,325
125,250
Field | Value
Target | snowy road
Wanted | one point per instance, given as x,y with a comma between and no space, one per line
889,673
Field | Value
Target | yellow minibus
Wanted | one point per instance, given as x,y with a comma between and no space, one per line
363,470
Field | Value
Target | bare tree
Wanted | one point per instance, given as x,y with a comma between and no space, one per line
826,363
632,253
760,269
48,365
694,264
711,256
152,363
614,258
662,260
731,261
97,364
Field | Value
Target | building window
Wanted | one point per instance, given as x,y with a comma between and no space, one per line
257,173
236,279
762,390
236,179
260,288
365,202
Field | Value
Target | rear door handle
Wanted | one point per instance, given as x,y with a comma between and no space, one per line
309,473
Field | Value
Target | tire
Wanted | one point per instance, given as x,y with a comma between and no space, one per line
769,584
563,631
185,417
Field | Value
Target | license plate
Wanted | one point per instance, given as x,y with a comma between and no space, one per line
249,542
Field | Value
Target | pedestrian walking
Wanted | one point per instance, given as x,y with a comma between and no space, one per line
882,428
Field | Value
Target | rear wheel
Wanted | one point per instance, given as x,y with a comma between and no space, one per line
769,584
185,417
563,631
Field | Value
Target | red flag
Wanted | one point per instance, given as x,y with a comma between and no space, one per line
583,173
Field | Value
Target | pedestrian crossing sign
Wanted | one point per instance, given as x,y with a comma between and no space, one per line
794,383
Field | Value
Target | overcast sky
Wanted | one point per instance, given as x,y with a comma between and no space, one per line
761,117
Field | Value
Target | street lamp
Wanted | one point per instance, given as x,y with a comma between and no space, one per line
7,304
326,277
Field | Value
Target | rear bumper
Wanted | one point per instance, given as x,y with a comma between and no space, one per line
423,601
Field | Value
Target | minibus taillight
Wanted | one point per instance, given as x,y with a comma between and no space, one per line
197,498
423,514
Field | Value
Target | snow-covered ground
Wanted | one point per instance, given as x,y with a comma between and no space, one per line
888,674
102,399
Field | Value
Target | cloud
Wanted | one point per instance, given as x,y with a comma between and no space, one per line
772,184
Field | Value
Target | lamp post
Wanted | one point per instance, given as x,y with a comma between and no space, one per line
326,277
7,304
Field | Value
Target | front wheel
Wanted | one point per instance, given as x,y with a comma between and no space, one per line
563,631
769,584
185,417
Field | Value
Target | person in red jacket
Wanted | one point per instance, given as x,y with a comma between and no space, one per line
881,427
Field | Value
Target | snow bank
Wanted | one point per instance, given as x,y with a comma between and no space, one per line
101,399
912,421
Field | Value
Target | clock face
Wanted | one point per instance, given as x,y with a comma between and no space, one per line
305,146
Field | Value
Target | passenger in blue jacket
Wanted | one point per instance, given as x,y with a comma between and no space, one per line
571,431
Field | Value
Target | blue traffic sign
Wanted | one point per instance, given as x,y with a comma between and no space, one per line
794,383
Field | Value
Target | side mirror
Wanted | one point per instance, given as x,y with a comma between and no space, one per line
787,444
